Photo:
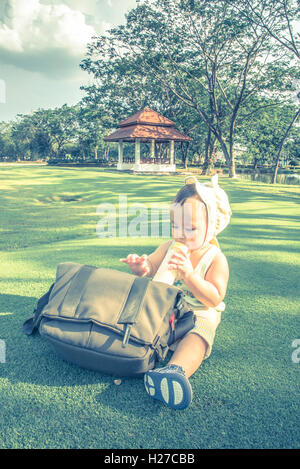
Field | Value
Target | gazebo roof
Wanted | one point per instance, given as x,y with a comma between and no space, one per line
146,133
147,116
147,125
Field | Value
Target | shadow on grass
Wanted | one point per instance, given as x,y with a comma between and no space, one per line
119,398
29,358
244,232
63,202
15,304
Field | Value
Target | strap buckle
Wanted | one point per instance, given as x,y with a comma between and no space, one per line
126,335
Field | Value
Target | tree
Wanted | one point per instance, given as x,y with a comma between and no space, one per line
63,126
282,142
204,52
7,147
91,131
44,132
265,132
22,134
121,88
280,20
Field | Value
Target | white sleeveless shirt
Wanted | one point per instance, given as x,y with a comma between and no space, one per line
201,269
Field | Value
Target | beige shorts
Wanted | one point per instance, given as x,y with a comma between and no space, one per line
206,325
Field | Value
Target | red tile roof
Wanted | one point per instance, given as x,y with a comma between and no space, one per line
146,116
147,125
146,133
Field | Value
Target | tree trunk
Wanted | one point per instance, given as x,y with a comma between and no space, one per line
184,152
229,157
212,150
231,167
255,163
277,158
208,156
232,172
254,169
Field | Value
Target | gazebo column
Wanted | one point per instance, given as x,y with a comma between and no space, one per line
148,126
120,151
152,149
137,151
172,152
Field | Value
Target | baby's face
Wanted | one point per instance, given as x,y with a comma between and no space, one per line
189,223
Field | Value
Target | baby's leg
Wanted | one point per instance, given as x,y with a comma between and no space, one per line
197,345
170,384
189,353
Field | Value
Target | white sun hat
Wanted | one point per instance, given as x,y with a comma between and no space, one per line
217,205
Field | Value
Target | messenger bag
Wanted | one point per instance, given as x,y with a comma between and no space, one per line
110,321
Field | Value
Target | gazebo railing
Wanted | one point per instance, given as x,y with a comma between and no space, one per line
128,159
156,161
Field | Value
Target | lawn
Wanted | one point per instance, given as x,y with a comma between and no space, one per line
245,395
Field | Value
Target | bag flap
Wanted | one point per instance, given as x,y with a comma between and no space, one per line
101,299
159,300
104,296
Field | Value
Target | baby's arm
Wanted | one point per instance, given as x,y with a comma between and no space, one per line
146,266
156,258
212,290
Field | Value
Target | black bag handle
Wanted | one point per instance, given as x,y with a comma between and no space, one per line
32,324
133,304
134,301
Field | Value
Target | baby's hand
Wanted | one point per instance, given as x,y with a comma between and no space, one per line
138,264
180,262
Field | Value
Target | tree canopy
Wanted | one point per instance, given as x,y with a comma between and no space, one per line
226,72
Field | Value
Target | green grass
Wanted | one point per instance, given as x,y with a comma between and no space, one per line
245,395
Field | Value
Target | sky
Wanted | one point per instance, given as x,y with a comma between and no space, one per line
42,43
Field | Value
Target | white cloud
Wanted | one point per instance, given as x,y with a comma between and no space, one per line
39,56
38,30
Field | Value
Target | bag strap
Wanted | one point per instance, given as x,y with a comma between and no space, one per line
75,290
32,324
134,301
133,304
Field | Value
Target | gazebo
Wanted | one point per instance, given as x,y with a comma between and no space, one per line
147,126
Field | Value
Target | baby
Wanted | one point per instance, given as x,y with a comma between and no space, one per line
199,212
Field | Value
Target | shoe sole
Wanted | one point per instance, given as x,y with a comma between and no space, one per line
173,389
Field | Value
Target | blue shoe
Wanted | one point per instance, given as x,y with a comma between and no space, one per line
169,385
